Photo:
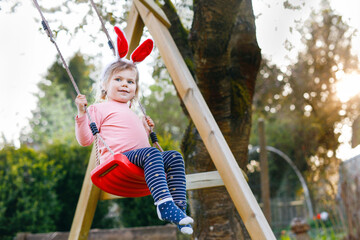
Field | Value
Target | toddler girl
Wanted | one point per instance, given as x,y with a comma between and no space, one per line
125,133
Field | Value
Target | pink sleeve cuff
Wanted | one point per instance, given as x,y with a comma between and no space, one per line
82,131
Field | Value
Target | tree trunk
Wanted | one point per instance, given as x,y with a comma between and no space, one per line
226,59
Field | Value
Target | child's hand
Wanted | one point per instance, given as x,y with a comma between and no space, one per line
148,123
81,102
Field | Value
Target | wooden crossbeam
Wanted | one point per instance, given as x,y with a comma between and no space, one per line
203,180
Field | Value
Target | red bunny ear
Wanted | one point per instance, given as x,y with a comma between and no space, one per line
142,51
122,44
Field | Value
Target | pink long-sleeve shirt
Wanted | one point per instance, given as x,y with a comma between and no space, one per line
118,125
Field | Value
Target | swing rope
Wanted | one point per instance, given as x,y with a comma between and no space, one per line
153,136
93,127
110,42
50,35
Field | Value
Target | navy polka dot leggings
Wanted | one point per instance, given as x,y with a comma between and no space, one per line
164,173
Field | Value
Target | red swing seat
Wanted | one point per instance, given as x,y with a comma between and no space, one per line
120,177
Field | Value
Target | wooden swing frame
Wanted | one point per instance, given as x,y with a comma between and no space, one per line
146,12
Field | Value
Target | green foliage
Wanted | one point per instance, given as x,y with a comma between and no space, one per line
163,106
28,201
136,212
318,223
54,115
72,160
285,236
324,230
40,189
53,118
168,143
79,68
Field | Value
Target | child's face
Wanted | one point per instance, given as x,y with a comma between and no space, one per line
122,86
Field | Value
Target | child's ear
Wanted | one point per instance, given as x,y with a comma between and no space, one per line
105,87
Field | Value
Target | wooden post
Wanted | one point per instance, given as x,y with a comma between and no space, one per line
86,206
264,172
210,133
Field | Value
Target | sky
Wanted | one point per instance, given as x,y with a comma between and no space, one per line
26,53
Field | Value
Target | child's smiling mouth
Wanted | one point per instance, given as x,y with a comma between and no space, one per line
124,91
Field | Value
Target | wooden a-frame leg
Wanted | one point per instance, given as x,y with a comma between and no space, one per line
86,206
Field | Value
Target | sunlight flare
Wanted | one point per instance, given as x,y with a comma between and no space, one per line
348,87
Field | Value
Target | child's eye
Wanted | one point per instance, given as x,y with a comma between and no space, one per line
117,79
130,81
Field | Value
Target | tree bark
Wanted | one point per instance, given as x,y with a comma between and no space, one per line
226,61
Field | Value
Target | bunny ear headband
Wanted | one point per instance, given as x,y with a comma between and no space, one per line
139,54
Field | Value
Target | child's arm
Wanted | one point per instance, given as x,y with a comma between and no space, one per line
148,123
82,130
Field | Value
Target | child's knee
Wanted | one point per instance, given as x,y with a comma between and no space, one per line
176,158
153,151
175,154
153,154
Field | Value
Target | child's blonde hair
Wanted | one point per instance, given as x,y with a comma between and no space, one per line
113,68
